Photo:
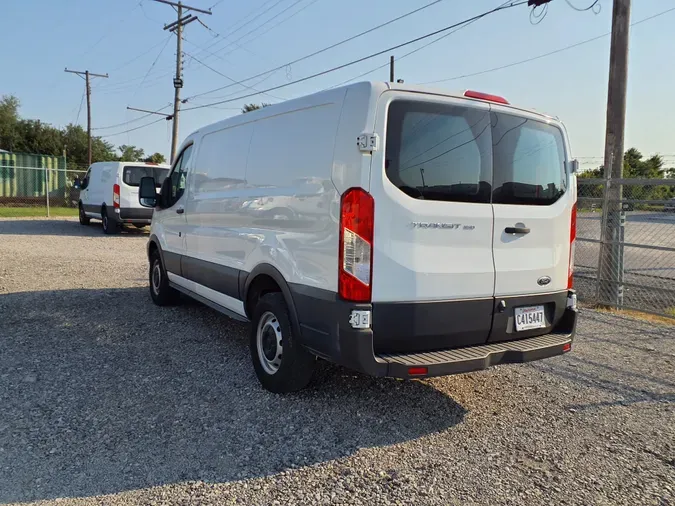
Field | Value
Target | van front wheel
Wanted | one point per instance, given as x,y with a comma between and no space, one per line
280,362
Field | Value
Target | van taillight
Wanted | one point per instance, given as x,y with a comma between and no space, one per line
356,245
116,196
573,237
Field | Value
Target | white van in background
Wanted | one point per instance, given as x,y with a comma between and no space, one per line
109,192
398,230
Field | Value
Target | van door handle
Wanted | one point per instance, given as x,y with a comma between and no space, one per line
180,210
517,230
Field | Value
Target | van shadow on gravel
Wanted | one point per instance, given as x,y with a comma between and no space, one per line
103,392
62,227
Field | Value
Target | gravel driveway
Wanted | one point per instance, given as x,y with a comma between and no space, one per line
107,399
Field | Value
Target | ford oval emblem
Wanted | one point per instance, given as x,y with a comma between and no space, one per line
543,281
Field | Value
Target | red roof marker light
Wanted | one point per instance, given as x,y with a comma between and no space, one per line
485,96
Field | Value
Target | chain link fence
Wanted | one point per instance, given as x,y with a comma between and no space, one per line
30,191
625,249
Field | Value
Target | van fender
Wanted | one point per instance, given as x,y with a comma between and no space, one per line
246,279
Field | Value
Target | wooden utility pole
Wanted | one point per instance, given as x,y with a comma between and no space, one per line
611,255
391,69
177,28
87,75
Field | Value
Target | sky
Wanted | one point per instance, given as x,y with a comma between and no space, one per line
125,38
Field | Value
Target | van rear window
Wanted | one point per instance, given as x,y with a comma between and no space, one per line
439,152
462,154
529,161
132,174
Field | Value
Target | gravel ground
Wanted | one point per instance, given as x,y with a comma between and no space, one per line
107,399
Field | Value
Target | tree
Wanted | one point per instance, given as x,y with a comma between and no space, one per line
74,139
131,153
9,116
253,107
156,158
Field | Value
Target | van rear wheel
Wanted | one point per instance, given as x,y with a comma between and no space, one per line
281,363
109,226
160,291
84,219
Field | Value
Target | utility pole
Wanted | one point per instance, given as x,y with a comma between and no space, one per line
177,28
87,75
610,270
391,69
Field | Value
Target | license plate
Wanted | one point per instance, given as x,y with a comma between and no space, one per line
531,317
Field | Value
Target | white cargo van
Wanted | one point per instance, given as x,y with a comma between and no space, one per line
398,230
109,192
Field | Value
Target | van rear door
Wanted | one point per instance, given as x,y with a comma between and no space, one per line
533,198
131,179
433,273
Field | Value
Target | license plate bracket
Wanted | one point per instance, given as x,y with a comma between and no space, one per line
529,317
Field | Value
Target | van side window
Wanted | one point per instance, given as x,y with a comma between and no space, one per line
439,152
85,181
529,161
178,176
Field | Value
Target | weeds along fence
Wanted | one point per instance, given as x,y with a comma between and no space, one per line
625,249
31,187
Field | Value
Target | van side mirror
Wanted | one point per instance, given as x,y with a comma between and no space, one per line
76,184
147,192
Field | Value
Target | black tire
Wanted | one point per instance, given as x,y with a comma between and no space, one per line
294,364
160,291
84,219
110,227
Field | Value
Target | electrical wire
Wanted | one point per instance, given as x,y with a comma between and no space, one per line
327,48
410,52
80,108
584,9
296,2
133,120
229,78
140,55
560,50
133,129
312,2
372,55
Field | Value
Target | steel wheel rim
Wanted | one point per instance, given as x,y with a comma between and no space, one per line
82,216
269,342
105,222
156,278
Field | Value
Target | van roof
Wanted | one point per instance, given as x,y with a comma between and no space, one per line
363,87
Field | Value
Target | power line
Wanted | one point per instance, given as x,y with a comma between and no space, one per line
411,52
584,9
229,78
231,31
327,48
359,60
312,2
133,129
133,120
572,46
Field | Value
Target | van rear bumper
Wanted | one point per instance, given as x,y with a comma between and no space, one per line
134,215
325,330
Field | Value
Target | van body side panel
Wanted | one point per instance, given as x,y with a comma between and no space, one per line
216,228
351,167
290,215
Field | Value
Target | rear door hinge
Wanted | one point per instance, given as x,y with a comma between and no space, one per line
368,142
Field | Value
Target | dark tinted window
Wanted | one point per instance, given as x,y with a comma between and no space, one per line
529,161
132,174
179,176
439,152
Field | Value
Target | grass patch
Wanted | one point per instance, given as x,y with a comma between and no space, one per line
24,212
